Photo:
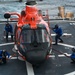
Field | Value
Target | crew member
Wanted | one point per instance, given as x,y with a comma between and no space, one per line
8,29
72,56
59,33
3,54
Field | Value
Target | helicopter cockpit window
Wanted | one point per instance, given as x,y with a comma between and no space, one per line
38,35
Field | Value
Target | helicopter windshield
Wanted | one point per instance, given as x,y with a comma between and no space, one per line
31,35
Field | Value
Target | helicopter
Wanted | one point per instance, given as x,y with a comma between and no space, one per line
31,34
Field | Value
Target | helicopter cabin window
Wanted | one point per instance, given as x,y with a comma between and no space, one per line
31,35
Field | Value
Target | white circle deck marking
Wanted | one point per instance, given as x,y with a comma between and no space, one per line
64,34
7,44
71,46
30,70
62,44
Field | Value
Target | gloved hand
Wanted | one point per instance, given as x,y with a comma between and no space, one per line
10,57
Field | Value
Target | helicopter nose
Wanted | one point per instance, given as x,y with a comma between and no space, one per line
36,56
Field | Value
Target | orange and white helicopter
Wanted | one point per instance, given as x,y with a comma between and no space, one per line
32,34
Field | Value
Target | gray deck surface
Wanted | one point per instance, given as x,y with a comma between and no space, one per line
53,66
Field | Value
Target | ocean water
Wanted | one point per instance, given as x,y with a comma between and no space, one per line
50,5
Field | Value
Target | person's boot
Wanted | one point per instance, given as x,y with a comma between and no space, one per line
11,37
6,38
72,62
61,41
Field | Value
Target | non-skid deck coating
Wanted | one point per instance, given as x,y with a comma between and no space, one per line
57,64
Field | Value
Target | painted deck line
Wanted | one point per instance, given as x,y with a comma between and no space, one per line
64,34
72,23
30,70
52,56
71,46
14,58
29,67
7,44
71,73
20,58
8,36
62,55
